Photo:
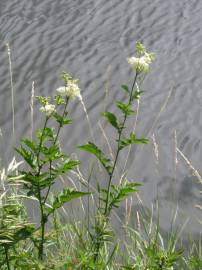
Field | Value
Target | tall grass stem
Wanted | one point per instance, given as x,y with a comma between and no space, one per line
12,88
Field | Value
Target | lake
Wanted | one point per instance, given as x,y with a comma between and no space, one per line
91,40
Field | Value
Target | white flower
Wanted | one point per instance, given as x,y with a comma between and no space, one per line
71,90
138,64
48,109
141,64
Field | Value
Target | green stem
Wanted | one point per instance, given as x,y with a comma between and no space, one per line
50,174
40,250
40,144
106,212
42,203
57,134
59,127
7,258
43,222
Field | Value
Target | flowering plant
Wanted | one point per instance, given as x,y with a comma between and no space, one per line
70,90
46,160
48,109
141,63
46,163
112,195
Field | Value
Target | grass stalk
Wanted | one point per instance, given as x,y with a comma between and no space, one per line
12,88
32,111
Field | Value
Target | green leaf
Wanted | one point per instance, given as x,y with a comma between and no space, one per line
32,145
126,109
48,134
125,88
111,118
24,232
132,140
65,196
32,181
28,156
52,152
62,120
93,149
119,193
137,94
66,165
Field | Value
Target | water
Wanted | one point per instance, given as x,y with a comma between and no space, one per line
91,40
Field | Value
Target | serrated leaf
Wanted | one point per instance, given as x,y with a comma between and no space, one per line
62,120
23,232
126,109
52,152
65,196
120,192
125,88
93,149
31,144
67,165
48,134
111,118
28,156
31,181
124,142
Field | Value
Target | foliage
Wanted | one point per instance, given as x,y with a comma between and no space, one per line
112,195
46,163
90,244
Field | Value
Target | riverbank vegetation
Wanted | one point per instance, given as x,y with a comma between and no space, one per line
93,236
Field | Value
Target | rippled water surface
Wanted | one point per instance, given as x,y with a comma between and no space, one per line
91,40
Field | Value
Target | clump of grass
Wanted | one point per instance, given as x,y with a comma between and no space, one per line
147,247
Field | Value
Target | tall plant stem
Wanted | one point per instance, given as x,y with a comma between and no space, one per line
40,144
43,222
55,141
44,218
118,148
106,211
64,112
40,254
7,258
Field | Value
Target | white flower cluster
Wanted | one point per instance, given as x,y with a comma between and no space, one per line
48,109
71,90
141,64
